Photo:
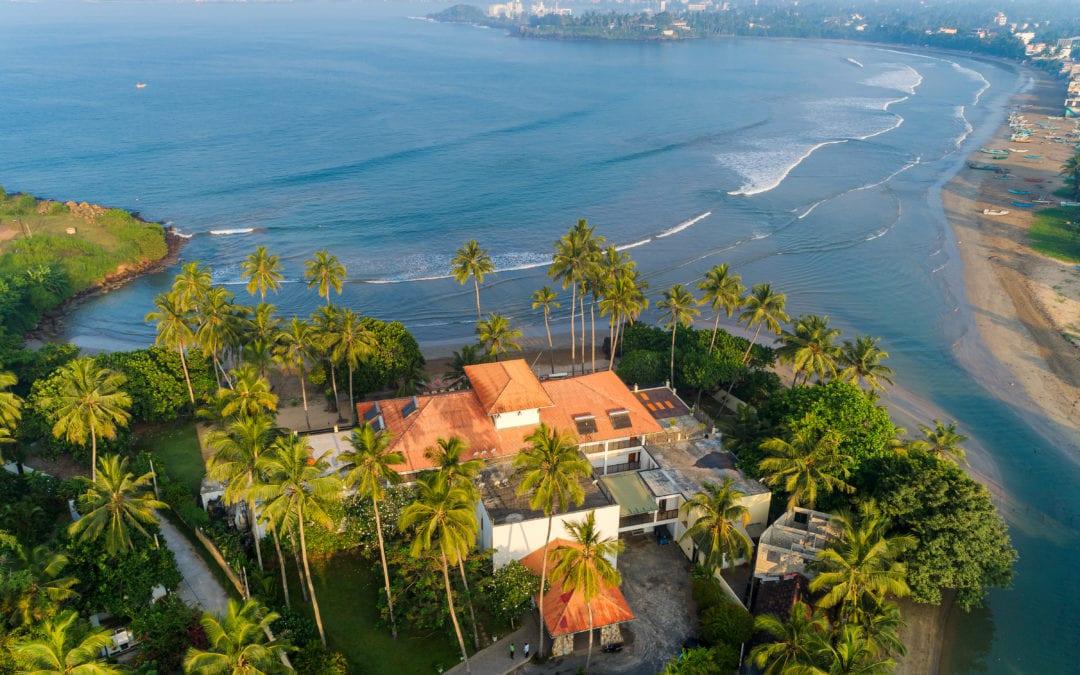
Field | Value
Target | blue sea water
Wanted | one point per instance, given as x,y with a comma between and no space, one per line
390,141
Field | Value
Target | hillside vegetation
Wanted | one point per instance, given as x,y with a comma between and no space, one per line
51,251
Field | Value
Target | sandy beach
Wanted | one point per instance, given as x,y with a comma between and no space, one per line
1026,305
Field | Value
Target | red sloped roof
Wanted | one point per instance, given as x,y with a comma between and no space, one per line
596,394
565,612
507,386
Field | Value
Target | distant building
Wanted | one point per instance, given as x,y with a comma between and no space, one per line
540,9
509,10
697,6
1000,19
946,31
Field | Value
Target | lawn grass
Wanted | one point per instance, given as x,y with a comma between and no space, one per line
176,446
1053,235
348,588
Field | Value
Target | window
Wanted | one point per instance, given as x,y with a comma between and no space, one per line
586,424
620,419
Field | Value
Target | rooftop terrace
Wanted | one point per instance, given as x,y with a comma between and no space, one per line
498,490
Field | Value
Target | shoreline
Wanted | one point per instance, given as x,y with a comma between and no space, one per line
1022,302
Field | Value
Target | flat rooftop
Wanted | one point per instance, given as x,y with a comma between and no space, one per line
691,464
498,490
662,403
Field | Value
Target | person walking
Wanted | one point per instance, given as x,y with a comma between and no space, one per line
511,651
525,651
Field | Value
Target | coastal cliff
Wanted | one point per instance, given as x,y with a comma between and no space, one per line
53,254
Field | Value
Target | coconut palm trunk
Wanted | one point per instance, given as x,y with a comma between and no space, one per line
551,344
715,329
674,330
573,338
543,584
746,356
281,564
254,522
385,569
307,573
93,453
187,377
333,385
588,657
299,566
592,327
468,602
352,398
581,301
476,287
453,614
303,395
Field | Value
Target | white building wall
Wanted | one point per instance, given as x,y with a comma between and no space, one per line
517,418
514,541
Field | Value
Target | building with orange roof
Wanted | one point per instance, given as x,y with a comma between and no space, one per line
566,613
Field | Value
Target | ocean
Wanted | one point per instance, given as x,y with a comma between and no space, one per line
391,140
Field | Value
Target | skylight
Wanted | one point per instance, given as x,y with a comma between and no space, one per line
586,424
620,419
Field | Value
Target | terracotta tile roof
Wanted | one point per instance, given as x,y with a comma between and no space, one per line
597,394
464,414
565,612
507,386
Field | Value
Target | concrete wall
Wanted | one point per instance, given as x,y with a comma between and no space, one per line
517,418
514,541
758,505
595,455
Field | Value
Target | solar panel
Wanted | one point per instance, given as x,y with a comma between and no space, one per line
620,419
586,424
371,413
410,407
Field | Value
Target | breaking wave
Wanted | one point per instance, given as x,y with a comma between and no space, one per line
684,225
905,79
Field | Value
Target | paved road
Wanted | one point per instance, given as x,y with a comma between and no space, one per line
495,659
199,588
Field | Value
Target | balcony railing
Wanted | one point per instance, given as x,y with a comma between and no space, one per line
639,519
672,514
619,468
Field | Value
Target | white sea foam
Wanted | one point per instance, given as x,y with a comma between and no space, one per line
880,233
684,225
974,75
182,235
938,268
235,230
853,62
625,247
767,168
959,113
760,235
905,79
886,179
812,207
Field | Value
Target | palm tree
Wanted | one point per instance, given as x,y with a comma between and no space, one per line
261,332
191,286
499,336
369,467
944,440
794,642
723,291
238,643
298,485
810,348
468,355
624,299
294,351
10,408
250,396
881,623
325,273
216,326
443,521
546,299
850,652
114,504
808,463
174,331
569,266
350,343
472,261
447,458
762,307
860,362
235,461
1071,171
586,566
861,565
326,322
42,587
89,403
717,514
262,271
63,649
679,308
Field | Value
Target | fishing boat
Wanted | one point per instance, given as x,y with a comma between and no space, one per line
1034,180
995,212
1014,191
140,85
1070,205
1023,205
981,167
1032,156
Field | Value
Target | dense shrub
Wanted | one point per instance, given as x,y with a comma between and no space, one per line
726,623
397,363
706,590
165,631
511,589
643,368
155,381
314,659
120,584
756,387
